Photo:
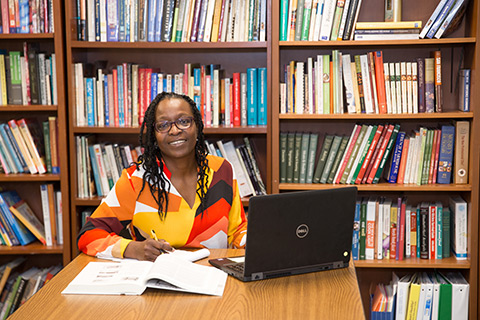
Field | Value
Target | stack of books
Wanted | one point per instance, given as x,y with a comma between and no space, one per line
402,30
445,18
25,16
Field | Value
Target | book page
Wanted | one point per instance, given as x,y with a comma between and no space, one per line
188,276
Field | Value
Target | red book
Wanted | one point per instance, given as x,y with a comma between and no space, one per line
380,81
383,147
115,97
186,76
369,155
230,95
413,233
220,23
5,17
403,161
202,91
432,231
374,156
236,99
147,92
438,132
348,152
432,157
141,93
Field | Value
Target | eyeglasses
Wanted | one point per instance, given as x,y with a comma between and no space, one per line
181,123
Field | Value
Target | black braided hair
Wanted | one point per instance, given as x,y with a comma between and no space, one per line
159,186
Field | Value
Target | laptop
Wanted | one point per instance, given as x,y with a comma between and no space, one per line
294,233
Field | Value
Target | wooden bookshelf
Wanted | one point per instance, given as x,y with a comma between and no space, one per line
169,57
28,185
464,39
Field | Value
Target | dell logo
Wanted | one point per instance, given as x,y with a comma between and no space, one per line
302,231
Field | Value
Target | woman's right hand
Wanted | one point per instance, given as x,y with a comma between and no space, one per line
148,249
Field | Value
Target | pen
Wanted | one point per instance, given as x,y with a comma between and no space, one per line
154,235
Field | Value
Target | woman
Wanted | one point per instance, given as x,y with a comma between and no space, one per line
175,191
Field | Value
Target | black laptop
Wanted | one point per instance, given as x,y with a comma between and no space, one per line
293,233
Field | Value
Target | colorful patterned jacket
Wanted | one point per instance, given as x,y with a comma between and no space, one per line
121,217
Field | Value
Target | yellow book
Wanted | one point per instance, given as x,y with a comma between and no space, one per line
389,25
216,20
413,298
3,80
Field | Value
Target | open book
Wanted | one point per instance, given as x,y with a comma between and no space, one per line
132,277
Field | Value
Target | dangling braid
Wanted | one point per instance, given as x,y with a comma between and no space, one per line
159,185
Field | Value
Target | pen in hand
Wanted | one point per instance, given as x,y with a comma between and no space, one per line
156,239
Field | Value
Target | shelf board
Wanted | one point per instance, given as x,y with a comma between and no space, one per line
364,116
380,187
33,248
95,201
209,130
26,36
11,107
379,43
447,263
22,177
170,45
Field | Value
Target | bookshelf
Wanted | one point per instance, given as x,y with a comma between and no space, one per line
168,57
464,39
28,185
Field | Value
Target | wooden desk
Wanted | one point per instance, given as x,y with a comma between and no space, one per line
320,295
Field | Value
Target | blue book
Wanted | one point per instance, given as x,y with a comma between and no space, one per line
6,164
121,20
106,102
127,23
8,148
397,155
445,156
112,24
252,97
152,6
158,21
6,227
464,91
24,16
438,21
121,105
97,20
262,96
89,84
153,86
8,199
5,128
432,18
356,231
96,176
196,87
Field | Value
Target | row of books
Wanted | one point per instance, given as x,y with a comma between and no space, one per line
100,165
19,225
121,96
421,295
171,20
445,18
28,77
314,20
394,229
242,158
369,85
398,30
28,147
26,16
17,287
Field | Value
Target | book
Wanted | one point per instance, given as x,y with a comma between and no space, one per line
429,85
445,157
25,214
134,277
433,18
7,199
464,90
438,80
388,25
462,134
458,209
322,159
460,295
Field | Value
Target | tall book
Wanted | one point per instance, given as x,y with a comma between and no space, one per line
445,156
462,134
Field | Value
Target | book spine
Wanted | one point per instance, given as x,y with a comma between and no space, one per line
462,133
429,85
421,85
438,81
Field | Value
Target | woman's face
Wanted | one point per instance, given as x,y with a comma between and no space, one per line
175,129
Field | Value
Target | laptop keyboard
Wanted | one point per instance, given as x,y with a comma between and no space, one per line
237,267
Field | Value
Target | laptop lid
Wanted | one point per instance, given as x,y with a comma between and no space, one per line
298,232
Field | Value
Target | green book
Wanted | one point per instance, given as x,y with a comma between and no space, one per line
327,143
304,157
296,157
307,12
423,136
363,228
283,157
446,232
283,20
11,296
46,139
338,158
362,153
312,152
337,19
290,154
445,298
354,153
331,158
299,19
427,157
389,148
